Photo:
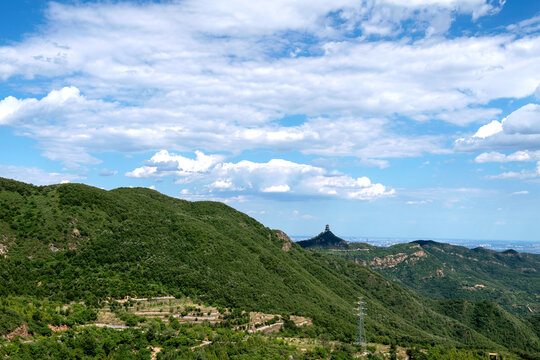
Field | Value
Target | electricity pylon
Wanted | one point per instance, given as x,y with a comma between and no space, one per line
361,311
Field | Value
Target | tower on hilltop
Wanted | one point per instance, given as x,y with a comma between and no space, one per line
325,240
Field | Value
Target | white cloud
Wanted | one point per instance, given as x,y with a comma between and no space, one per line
490,129
494,156
10,106
277,189
164,163
418,202
281,176
525,120
222,185
13,110
520,129
107,172
526,26
143,172
110,127
276,176
204,75
464,116
35,175
523,192
523,174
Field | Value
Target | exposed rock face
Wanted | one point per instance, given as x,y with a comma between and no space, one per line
280,234
53,248
5,243
58,328
3,249
440,273
21,331
391,261
287,242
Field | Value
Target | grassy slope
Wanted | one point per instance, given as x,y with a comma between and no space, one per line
139,242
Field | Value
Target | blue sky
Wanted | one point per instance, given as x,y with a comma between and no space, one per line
383,118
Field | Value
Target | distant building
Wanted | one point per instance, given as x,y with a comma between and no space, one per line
327,228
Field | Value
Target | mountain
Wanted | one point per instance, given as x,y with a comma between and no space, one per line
72,242
325,240
444,271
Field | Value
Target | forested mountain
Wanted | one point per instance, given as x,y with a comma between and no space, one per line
75,243
444,271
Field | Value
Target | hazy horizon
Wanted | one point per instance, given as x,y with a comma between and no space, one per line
496,245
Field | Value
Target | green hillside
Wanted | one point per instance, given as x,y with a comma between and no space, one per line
444,271
73,242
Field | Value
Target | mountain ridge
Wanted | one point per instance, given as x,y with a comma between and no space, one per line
73,242
444,271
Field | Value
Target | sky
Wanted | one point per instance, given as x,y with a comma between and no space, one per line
383,118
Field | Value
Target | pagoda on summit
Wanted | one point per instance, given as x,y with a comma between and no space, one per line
325,240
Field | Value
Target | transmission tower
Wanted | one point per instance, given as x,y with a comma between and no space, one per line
361,311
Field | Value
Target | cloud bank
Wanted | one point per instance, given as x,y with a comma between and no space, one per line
276,176
195,74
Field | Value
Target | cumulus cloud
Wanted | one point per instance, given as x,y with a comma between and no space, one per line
277,189
164,163
276,176
299,179
35,175
10,106
520,129
525,120
13,110
282,176
488,130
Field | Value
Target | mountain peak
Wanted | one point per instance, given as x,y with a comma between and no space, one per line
325,240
